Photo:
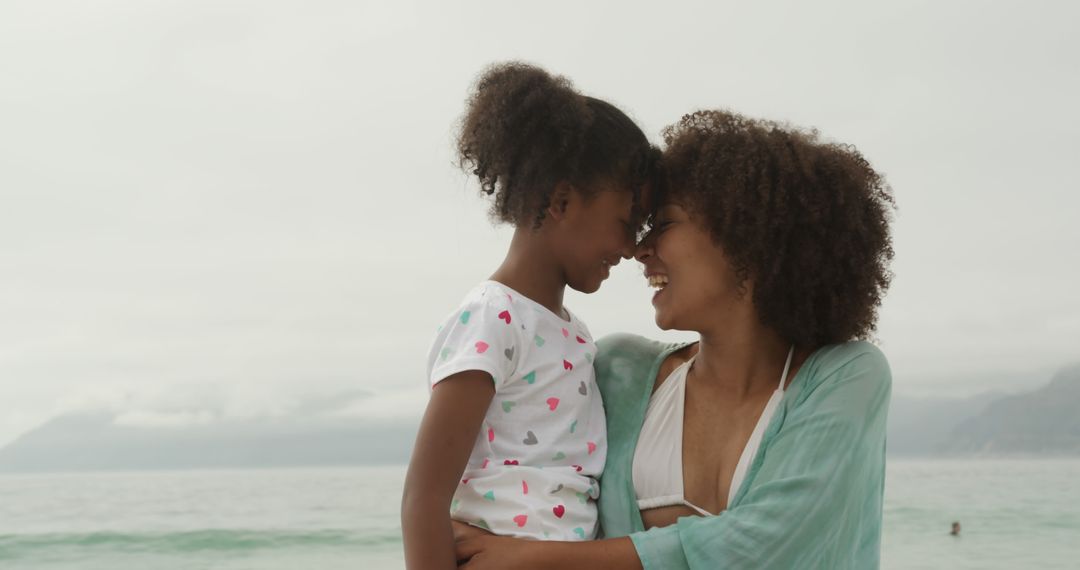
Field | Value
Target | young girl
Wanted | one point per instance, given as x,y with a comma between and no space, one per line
513,438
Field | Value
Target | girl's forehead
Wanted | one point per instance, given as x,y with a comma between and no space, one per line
611,199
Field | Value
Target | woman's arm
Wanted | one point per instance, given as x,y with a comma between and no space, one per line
819,484
498,552
447,434
815,500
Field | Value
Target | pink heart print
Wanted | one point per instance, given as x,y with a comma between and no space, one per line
553,403
481,347
505,315
520,520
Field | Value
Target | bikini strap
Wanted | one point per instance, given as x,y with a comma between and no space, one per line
787,367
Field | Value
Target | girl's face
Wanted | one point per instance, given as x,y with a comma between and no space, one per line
695,282
595,233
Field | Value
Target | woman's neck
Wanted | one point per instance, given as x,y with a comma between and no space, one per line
744,359
530,270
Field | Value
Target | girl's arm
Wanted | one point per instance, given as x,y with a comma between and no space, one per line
447,433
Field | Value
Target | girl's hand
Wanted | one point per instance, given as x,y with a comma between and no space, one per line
490,552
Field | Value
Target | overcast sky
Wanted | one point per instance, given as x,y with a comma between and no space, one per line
229,208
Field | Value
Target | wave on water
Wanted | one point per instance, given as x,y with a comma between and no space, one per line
14,546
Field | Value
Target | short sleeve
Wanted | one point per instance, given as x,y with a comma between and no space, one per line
480,335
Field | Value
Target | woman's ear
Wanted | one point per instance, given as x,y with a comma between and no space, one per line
560,200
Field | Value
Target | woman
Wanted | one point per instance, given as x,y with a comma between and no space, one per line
762,445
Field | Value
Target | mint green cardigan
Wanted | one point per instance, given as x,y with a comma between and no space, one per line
812,495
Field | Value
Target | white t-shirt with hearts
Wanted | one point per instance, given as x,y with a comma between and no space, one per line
533,469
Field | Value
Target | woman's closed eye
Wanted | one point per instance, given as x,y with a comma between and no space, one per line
652,230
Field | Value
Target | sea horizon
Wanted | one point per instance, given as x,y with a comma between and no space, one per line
1013,512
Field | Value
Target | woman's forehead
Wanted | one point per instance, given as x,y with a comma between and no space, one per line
654,200
670,207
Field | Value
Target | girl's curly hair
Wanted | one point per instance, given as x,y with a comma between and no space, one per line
524,131
807,221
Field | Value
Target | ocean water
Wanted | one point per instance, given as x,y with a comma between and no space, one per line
1015,514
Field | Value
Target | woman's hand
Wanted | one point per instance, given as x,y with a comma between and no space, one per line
483,551
486,551
463,531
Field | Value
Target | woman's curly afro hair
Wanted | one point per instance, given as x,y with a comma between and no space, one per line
524,131
806,221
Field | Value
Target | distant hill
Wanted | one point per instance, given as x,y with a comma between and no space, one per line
924,426
1043,422
93,441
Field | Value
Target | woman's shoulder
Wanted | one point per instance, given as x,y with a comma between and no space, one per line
628,342
624,360
857,354
621,349
855,366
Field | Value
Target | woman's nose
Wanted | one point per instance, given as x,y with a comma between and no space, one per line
644,249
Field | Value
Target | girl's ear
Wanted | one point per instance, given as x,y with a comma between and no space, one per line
560,200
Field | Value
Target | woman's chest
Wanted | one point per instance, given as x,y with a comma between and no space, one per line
715,438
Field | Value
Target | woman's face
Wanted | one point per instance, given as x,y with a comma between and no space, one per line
695,282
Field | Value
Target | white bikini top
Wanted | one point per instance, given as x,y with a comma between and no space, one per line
657,466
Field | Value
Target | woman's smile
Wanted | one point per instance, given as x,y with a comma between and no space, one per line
658,281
